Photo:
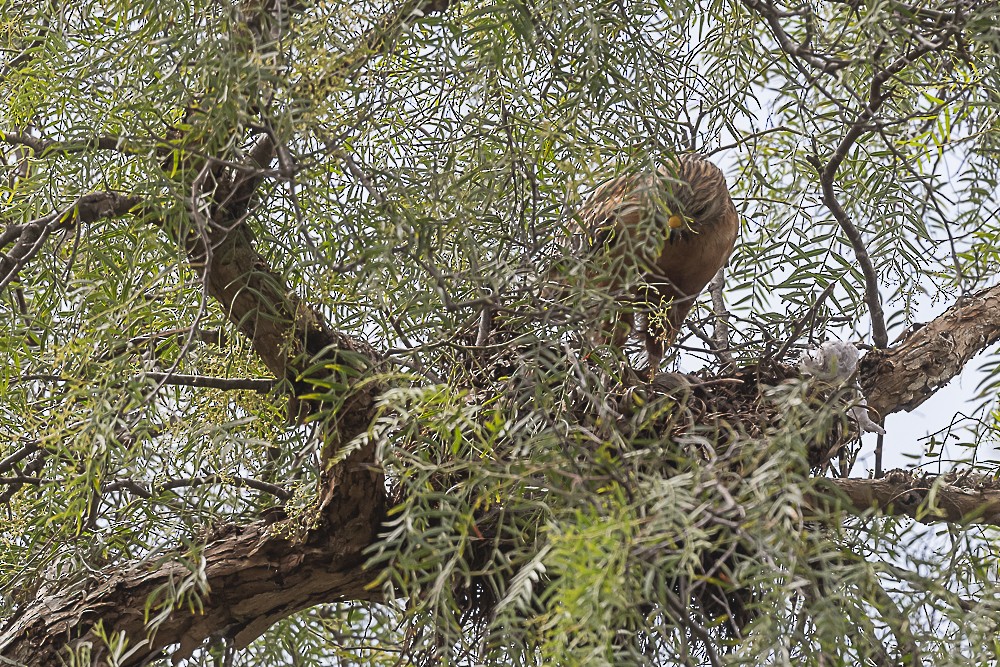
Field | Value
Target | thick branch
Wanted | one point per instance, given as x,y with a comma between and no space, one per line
953,498
929,356
247,578
253,576
261,573
258,574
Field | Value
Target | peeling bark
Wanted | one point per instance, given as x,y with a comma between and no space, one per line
253,577
929,356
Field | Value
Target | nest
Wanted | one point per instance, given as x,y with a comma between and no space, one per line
733,409
718,418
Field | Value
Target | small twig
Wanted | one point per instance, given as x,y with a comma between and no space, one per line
362,177
720,332
878,456
747,138
215,337
801,322
414,365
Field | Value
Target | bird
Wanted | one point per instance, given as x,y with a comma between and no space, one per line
654,240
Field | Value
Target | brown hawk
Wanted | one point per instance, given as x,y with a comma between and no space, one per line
661,237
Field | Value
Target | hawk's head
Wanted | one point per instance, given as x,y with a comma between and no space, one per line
694,191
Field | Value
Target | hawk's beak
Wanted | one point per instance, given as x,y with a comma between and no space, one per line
675,222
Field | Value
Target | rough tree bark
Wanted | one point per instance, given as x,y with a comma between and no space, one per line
257,574
953,497
928,356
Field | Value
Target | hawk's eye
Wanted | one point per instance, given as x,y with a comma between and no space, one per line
699,210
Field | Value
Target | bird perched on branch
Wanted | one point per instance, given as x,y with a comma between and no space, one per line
657,240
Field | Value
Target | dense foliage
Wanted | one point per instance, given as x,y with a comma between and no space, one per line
429,160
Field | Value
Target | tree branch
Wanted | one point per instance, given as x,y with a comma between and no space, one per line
260,385
801,54
720,331
252,577
29,238
45,147
767,11
953,498
376,41
35,46
877,95
927,357
141,490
